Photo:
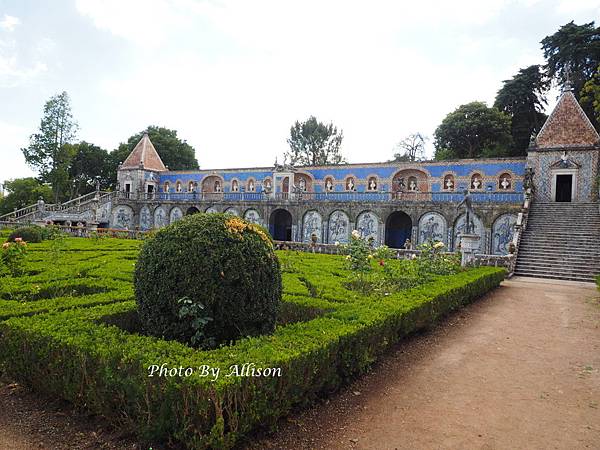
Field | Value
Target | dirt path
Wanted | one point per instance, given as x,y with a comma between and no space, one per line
518,370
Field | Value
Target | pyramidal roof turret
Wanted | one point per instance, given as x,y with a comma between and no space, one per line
144,156
567,125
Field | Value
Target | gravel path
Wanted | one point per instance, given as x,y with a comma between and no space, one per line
519,369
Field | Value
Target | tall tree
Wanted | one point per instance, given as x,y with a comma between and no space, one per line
523,99
573,52
471,131
22,192
412,148
590,95
90,165
47,152
175,153
313,143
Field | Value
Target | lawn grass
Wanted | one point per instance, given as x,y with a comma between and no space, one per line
67,328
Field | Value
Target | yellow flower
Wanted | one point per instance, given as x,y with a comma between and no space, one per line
370,256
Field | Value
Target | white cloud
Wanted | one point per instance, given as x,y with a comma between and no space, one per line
13,163
9,23
12,73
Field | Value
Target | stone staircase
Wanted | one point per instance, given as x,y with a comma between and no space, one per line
561,241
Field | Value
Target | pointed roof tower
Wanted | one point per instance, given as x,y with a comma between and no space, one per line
144,156
567,126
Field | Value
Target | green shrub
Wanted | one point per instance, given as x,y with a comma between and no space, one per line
31,234
220,263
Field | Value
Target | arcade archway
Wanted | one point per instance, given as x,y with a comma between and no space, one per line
398,228
280,225
192,210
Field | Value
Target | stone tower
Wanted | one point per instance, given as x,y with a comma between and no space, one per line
139,174
565,154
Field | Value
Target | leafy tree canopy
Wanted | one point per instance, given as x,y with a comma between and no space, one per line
313,143
175,153
47,152
523,99
590,95
90,165
471,131
23,192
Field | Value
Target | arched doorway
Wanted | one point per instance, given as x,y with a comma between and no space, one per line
398,229
192,210
280,225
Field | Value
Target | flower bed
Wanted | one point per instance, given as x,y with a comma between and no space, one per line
91,358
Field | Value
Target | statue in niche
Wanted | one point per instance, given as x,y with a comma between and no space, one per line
449,185
476,183
329,185
234,186
251,186
505,184
372,184
302,184
412,185
268,185
350,184
528,178
401,184
469,212
217,186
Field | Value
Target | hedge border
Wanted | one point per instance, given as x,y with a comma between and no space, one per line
73,355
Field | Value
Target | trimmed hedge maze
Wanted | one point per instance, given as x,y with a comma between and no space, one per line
84,344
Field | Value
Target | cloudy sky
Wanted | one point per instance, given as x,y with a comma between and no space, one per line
233,75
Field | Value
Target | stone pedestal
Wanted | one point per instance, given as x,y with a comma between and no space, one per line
469,243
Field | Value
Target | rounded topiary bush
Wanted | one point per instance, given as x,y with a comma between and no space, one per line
210,275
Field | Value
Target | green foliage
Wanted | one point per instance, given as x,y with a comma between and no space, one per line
473,131
216,260
590,95
359,254
47,151
523,99
90,165
432,259
31,234
175,153
573,52
12,257
313,143
86,346
23,192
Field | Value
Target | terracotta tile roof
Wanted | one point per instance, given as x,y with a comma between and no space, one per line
145,155
567,126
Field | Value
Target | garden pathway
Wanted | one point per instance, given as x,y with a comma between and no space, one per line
518,369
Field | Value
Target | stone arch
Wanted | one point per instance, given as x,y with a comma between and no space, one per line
211,210
280,225
191,210
123,218
503,231
233,211
367,225
433,226
175,214
398,229
211,183
312,223
459,225
160,217
401,181
145,218
338,227
252,215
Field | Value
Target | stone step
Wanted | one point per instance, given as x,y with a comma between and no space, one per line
554,276
563,257
557,267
